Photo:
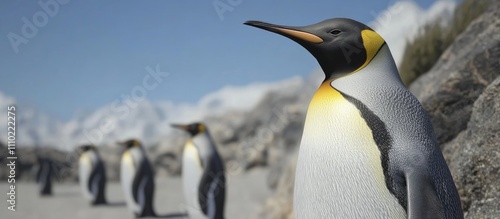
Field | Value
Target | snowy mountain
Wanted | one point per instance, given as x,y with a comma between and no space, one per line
145,120
33,128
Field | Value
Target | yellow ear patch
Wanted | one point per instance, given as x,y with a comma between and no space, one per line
372,42
201,128
135,143
301,35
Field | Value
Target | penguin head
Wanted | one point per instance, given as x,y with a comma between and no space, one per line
340,45
193,129
130,143
87,148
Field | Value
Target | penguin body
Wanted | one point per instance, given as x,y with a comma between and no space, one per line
203,174
137,179
368,149
351,161
92,175
44,176
192,170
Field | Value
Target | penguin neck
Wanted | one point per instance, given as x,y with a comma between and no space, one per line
92,155
95,153
203,142
381,69
380,72
136,152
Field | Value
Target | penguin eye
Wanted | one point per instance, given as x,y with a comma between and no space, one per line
335,32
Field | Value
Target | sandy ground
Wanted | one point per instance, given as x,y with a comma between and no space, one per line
246,193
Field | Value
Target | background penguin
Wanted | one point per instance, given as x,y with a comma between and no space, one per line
137,179
92,175
202,174
44,176
368,149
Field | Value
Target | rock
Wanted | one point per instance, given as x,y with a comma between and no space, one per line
280,204
166,156
27,163
273,127
450,88
111,155
474,157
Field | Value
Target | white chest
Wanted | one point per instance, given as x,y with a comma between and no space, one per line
192,171
85,167
128,170
339,172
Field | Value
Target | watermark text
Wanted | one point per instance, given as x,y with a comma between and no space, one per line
11,157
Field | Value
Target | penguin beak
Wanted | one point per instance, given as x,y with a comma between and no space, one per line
121,143
298,34
182,127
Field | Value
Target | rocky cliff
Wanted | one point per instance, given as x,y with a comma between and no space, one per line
461,95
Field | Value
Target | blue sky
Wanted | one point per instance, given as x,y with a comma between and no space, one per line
90,53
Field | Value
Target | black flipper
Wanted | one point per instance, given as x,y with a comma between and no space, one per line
212,190
423,202
143,189
97,184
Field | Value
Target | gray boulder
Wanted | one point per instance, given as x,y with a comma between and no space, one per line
474,157
450,88
280,204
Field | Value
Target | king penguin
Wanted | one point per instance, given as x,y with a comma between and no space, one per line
368,148
92,175
202,174
44,176
137,179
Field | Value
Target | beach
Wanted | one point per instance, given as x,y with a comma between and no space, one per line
245,194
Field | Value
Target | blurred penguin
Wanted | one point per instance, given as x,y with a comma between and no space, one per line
137,179
92,175
44,176
203,174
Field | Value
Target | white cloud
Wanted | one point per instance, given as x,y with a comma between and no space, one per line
146,121
32,127
150,121
402,20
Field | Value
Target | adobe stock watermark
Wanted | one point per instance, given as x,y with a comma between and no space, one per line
121,107
281,118
223,6
382,20
48,9
385,18
11,157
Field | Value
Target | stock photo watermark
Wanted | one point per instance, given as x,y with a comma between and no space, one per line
385,18
281,118
223,6
31,26
121,109
11,157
